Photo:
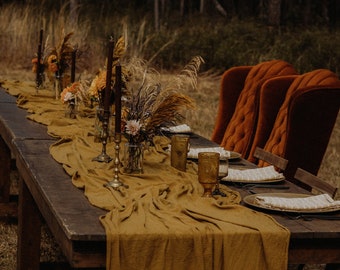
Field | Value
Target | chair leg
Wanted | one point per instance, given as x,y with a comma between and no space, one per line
300,267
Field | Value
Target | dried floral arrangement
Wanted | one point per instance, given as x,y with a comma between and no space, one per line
98,84
39,68
55,61
59,58
151,104
76,92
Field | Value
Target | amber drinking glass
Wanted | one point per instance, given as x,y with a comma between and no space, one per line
208,168
179,151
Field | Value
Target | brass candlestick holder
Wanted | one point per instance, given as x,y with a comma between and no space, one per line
104,157
116,183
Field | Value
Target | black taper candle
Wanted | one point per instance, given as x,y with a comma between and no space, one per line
73,66
108,77
118,98
39,56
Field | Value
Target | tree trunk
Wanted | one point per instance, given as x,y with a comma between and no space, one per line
274,13
307,12
202,6
156,12
182,7
219,8
332,10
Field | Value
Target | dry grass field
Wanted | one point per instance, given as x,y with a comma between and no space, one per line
202,122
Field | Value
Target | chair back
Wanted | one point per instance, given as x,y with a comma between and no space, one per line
278,162
310,181
240,131
305,121
272,95
232,83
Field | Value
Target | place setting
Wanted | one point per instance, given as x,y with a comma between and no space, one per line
255,178
296,206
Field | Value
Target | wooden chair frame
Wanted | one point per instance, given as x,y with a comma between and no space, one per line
271,158
312,181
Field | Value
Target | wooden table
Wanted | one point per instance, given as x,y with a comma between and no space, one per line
13,126
46,192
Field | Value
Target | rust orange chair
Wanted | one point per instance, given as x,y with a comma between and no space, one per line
272,95
305,121
238,108
232,83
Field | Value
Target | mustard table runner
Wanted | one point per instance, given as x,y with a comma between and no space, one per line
160,221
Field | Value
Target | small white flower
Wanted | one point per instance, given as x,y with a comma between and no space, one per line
68,96
133,127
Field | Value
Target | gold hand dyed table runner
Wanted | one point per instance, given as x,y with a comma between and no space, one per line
160,221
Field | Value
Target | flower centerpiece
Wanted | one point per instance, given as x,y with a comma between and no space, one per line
71,96
58,61
96,91
98,84
151,105
39,62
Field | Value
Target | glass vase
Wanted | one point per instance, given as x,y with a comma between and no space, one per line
71,109
98,126
133,158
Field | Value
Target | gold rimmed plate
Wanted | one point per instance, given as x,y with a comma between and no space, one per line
267,181
251,200
234,155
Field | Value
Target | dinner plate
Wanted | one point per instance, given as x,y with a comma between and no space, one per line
251,200
234,155
169,130
276,180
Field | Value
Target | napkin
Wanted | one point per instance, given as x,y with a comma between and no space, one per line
184,128
257,174
224,154
305,203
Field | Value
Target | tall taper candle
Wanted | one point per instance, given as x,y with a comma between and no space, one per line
41,36
107,95
118,98
39,66
73,66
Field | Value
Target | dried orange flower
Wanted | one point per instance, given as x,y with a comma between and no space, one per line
70,92
98,84
52,63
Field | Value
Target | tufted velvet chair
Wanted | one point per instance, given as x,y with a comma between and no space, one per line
305,121
232,83
272,95
239,131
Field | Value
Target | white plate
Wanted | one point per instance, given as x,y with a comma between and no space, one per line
234,155
180,129
256,182
251,200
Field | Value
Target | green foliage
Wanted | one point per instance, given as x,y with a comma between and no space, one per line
247,43
222,43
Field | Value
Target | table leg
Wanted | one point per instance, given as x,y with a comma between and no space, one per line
5,169
29,230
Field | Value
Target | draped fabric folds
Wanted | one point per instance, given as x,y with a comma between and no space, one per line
160,221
